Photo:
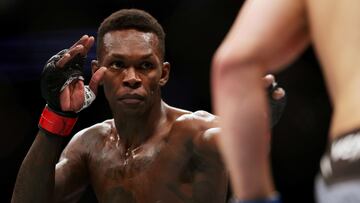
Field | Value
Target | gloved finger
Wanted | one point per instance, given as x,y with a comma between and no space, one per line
279,93
81,41
77,96
96,79
268,80
70,55
85,41
72,96
88,44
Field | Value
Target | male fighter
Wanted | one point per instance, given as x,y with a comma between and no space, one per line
268,35
148,152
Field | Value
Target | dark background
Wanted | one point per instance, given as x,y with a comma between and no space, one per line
32,31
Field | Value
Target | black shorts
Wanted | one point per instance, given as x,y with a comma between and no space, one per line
339,181
341,161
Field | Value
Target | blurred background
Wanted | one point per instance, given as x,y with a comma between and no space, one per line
32,31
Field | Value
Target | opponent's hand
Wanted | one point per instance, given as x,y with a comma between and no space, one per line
274,90
277,98
62,83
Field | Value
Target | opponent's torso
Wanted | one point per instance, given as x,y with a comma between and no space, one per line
172,170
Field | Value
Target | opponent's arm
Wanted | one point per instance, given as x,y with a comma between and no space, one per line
277,103
63,88
206,143
253,47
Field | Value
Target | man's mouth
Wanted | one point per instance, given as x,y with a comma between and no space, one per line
131,99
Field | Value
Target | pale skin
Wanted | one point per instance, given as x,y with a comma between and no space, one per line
254,46
149,152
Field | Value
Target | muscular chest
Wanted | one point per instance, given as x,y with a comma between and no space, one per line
149,173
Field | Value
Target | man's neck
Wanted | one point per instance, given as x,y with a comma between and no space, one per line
137,129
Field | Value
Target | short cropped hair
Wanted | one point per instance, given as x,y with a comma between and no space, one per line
131,19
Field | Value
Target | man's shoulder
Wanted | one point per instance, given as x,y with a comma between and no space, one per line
181,116
193,123
97,129
93,133
200,117
201,127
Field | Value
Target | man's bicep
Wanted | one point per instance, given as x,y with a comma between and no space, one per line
71,173
210,165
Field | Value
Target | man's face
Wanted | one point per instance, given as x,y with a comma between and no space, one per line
135,71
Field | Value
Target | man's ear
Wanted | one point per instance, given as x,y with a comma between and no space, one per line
94,66
165,71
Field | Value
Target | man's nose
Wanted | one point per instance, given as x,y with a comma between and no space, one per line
131,78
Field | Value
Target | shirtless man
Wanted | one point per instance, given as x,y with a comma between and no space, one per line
149,152
266,36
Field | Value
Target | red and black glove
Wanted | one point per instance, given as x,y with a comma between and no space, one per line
53,119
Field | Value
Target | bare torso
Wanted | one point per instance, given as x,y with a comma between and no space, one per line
177,165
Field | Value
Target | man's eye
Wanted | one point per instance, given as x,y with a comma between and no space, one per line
146,65
117,64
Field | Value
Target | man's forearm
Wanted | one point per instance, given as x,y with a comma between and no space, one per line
36,177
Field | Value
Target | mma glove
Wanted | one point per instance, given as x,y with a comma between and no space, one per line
53,119
276,106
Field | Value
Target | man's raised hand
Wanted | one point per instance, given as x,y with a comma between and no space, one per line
62,86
